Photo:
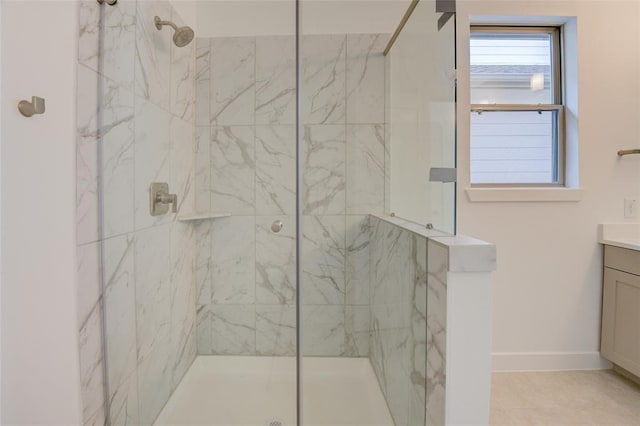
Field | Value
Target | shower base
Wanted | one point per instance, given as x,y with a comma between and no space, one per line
259,391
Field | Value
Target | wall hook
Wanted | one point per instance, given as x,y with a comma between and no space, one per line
36,106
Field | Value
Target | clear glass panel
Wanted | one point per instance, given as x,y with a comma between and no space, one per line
514,147
200,305
421,119
511,68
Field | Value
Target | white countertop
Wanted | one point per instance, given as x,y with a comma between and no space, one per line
625,235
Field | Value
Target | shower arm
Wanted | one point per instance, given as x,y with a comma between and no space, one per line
628,152
159,23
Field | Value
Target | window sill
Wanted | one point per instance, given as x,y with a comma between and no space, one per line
524,195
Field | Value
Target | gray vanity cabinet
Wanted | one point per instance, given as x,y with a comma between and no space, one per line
620,342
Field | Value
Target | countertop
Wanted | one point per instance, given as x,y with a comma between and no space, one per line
624,235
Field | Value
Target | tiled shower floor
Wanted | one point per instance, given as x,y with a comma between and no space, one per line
252,391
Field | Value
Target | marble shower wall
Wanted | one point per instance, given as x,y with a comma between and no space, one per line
135,126
399,319
245,166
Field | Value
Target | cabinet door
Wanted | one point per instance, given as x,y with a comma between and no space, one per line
621,319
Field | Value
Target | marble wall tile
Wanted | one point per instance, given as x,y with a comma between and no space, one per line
323,260
357,260
275,261
182,164
119,43
232,153
91,367
87,156
203,81
324,332
232,98
117,161
182,76
88,276
203,330
89,34
276,330
356,325
275,170
365,78
152,159
436,333
275,80
153,54
153,312
203,262
233,259
324,169
323,79
183,302
233,329
365,169
202,166
120,328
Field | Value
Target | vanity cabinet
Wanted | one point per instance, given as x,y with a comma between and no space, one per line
620,341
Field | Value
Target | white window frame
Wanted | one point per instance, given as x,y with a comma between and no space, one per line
557,107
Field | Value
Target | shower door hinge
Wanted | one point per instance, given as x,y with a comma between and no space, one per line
443,174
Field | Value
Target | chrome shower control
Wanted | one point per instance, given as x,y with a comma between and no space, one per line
277,226
159,199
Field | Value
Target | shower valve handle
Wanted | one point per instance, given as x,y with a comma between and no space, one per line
166,198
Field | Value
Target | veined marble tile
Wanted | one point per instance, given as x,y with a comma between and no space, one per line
275,80
88,276
120,327
119,45
232,98
365,169
436,332
153,53
153,313
182,164
203,330
395,344
233,260
183,75
324,79
183,299
87,156
275,261
89,33
276,330
324,332
275,170
365,78
117,137
323,260
233,170
357,260
203,79
234,329
152,159
202,169
91,368
324,169
203,263
356,331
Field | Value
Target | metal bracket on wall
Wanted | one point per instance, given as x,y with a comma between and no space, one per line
109,2
443,174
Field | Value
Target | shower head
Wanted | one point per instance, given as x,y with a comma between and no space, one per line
182,35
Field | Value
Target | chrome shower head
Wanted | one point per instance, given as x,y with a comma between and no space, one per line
182,35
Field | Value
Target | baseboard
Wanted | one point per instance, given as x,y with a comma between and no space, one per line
548,361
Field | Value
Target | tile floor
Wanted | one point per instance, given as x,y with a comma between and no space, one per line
564,398
255,391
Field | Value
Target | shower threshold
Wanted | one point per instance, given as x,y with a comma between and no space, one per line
259,391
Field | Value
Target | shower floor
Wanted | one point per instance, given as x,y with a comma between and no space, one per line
254,391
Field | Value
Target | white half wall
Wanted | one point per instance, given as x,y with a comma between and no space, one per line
40,377
547,288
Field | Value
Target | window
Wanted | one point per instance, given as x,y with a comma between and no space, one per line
517,112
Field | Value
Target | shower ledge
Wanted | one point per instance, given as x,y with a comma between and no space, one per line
187,217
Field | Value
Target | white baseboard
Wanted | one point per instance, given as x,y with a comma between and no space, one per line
548,361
